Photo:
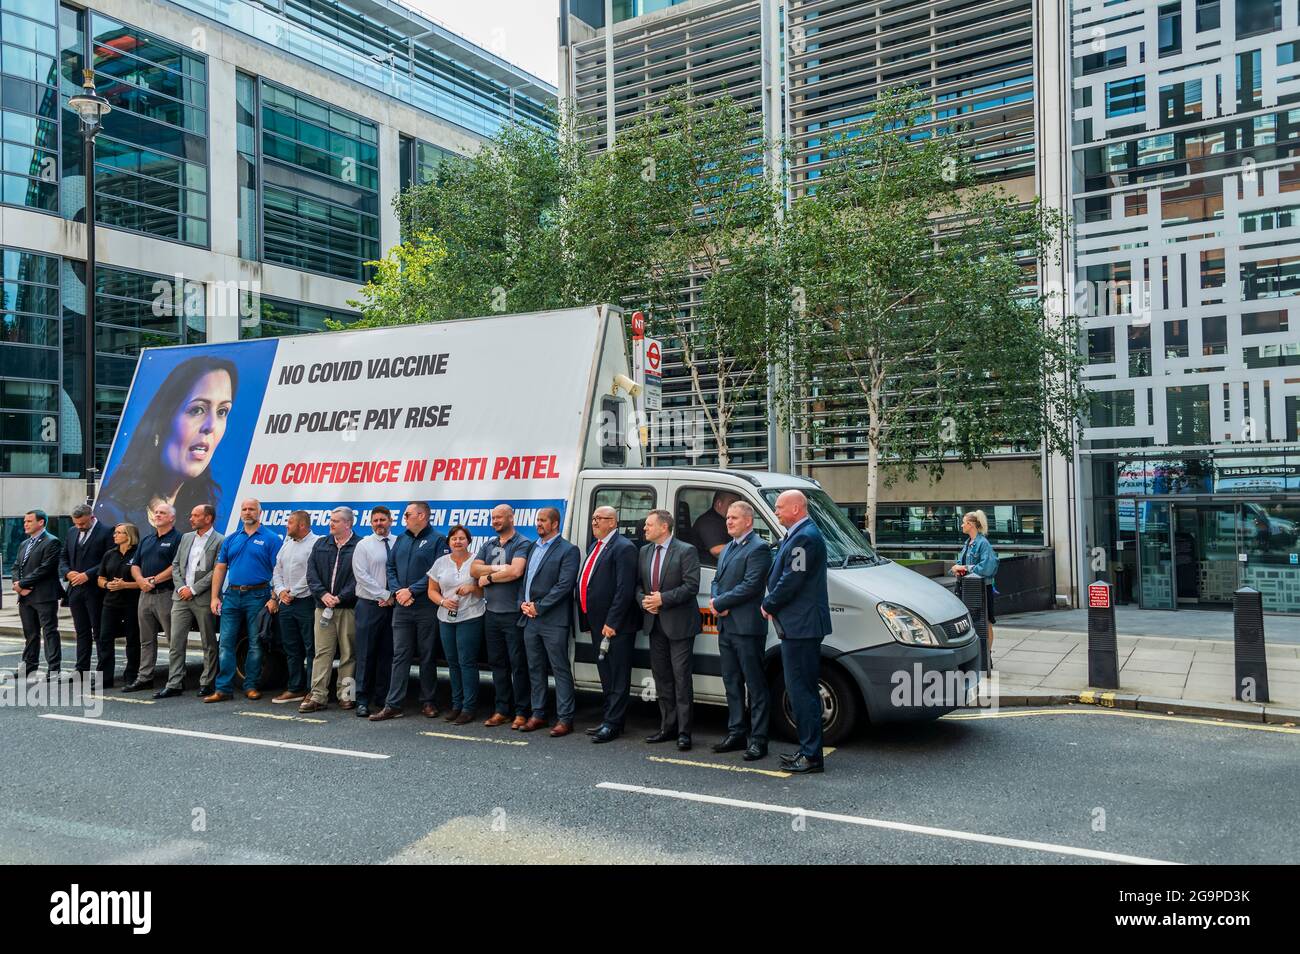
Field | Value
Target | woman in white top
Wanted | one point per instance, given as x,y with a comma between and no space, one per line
460,621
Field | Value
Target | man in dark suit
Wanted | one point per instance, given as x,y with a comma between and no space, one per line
546,591
607,609
798,603
668,584
36,581
83,551
737,593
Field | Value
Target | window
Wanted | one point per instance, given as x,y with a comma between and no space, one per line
1105,60
1270,278
613,446
246,153
1263,322
320,187
938,525
278,318
1101,345
1180,103
151,159
1249,80
1127,96
1176,338
1170,28
632,504
700,525
1188,414
1110,409
30,344
29,111
1214,335
1207,15
1139,351
1258,16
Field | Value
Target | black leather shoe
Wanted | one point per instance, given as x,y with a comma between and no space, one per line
661,736
788,757
804,766
363,711
168,692
593,730
206,691
138,686
755,752
605,734
732,743
684,742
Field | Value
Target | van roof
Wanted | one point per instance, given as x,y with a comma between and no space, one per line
761,479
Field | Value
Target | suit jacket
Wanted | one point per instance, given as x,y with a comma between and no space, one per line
796,586
553,584
738,587
86,557
203,575
37,569
679,584
611,591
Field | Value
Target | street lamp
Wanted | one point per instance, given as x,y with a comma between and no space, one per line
91,108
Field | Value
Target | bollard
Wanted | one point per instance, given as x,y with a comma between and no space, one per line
973,589
1248,645
1103,652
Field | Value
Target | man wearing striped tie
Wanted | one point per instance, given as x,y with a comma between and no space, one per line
607,609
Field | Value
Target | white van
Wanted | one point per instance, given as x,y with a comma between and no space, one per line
530,409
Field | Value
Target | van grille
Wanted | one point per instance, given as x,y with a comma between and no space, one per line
958,631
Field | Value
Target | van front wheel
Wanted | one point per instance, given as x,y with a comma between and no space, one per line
839,706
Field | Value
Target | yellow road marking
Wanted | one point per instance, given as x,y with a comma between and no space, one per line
718,765
138,702
474,738
282,718
1220,723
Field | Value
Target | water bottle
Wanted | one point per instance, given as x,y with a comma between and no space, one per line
604,648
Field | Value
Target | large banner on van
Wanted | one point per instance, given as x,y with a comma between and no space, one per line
463,414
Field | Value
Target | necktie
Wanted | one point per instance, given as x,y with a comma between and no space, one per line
654,571
31,542
586,573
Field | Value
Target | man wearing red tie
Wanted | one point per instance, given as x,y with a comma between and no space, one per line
607,609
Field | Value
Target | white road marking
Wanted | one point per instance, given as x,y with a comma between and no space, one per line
270,743
888,825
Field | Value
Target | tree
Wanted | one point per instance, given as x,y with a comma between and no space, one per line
407,286
916,323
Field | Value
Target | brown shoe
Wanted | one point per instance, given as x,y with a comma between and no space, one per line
347,704
533,724
519,722
561,729
218,697
253,694
465,718
311,705
289,696
429,710
386,713
453,715
496,719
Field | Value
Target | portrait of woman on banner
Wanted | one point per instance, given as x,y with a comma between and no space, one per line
169,456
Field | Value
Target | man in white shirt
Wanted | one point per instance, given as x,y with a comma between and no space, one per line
291,600
192,572
374,637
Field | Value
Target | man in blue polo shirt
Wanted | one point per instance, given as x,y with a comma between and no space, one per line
245,563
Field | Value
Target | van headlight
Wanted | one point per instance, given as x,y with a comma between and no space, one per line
906,626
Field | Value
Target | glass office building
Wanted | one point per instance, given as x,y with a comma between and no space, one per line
243,179
1185,148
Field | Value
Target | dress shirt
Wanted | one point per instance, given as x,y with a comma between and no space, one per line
291,566
370,567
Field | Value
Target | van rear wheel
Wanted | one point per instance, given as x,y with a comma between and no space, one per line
839,706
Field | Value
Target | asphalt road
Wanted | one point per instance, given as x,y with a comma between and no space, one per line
1073,785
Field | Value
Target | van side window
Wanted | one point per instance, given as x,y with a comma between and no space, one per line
613,453
700,519
633,505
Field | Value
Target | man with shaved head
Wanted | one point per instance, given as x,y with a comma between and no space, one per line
245,565
499,568
798,604
607,609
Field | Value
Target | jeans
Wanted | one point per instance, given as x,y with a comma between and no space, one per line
374,648
460,644
509,662
296,623
802,661
239,613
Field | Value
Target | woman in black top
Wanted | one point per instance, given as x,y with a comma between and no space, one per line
120,603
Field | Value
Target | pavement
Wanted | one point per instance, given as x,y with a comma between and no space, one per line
1178,661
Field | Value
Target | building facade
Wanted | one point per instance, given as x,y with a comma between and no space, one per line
807,70
243,179
1184,186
